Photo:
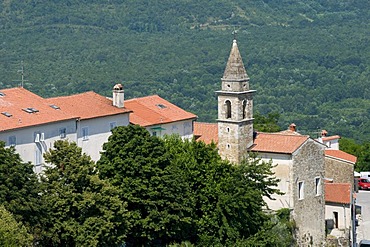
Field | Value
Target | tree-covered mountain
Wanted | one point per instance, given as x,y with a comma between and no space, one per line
308,60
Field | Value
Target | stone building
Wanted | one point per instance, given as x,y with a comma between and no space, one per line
235,110
299,159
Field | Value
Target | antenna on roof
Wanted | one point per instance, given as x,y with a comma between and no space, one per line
22,75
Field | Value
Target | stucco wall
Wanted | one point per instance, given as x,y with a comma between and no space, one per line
25,139
182,128
283,167
344,214
99,130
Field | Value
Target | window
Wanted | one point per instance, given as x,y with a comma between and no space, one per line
12,140
228,108
300,190
154,133
62,132
85,133
317,186
244,109
112,125
38,154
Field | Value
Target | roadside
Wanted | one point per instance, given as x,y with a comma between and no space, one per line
363,228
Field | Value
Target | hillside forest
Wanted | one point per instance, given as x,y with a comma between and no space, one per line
308,60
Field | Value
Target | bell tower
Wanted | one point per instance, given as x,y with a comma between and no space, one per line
235,110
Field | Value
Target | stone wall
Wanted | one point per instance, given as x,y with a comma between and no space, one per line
309,211
339,171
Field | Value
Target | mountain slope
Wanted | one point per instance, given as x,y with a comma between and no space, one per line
308,60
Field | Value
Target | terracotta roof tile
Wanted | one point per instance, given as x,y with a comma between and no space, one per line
153,110
206,132
278,143
16,99
339,154
338,192
87,105
265,142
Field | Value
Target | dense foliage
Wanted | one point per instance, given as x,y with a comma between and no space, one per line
12,233
80,208
144,191
181,190
19,187
361,151
308,60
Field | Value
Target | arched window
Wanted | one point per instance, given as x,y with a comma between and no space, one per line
244,108
228,108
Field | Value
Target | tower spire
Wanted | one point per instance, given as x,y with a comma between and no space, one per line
235,110
235,69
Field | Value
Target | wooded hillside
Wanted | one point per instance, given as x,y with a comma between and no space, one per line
308,60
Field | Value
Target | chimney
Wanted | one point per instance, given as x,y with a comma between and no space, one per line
292,127
324,133
118,96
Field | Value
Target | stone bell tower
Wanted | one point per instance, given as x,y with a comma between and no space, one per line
235,110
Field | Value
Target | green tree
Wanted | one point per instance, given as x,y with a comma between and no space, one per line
228,199
12,233
157,200
266,124
82,209
19,188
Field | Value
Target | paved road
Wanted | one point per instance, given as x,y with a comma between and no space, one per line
363,230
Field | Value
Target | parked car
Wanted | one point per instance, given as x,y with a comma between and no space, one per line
363,183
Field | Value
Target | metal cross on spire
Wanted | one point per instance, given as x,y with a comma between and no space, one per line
234,33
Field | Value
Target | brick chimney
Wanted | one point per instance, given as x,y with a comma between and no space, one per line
292,127
118,96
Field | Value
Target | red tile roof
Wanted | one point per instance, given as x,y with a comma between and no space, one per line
16,99
87,105
339,154
153,110
206,132
265,142
338,192
278,143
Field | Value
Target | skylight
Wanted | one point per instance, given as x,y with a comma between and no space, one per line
30,110
55,107
7,114
161,106
2,94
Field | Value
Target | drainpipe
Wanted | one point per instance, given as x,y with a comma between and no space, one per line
353,208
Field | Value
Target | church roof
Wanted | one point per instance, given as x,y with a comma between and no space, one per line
235,69
278,143
153,110
264,142
206,132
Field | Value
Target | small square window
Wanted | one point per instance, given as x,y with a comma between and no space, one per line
85,133
12,140
154,133
300,190
62,132
112,125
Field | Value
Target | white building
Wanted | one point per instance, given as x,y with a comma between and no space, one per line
161,117
32,124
